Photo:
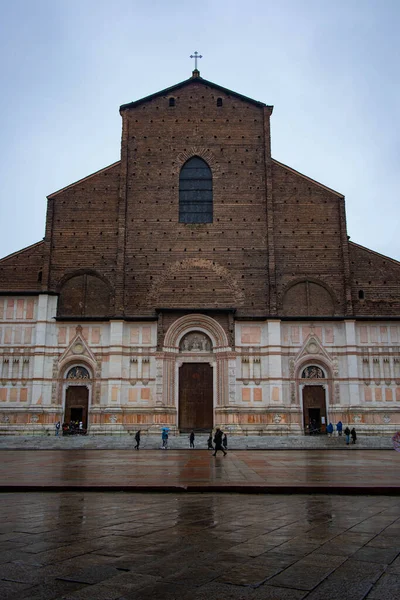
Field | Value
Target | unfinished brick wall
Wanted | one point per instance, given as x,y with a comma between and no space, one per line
82,232
375,283
308,236
23,270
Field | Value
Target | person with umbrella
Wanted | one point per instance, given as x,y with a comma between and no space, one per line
164,438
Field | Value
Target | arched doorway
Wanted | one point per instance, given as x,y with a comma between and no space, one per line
314,400
77,395
196,406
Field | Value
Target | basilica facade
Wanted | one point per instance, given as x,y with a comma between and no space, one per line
198,282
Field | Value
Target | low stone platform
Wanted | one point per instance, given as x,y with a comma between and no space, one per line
181,442
304,471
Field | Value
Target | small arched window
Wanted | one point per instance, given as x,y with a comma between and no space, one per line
172,101
219,101
195,192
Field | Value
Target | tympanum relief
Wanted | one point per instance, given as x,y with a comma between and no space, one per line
195,341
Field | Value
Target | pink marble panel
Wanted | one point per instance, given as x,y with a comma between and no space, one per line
257,394
17,335
13,395
295,334
27,335
95,335
394,334
329,335
378,394
384,334
3,394
62,335
251,335
10,309
275,394
364,335
114,394
85,333
7,335
398,394
145,394
146,335
306,331
367,394
30,305
388,395
374,334
245,394
23,395
132,395
20,308
134,335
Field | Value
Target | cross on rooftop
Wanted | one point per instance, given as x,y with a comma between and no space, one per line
196,55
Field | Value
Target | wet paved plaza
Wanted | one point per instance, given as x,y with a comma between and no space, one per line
109,546
371,471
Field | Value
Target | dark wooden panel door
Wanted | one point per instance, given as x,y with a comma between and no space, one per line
195,396
314,409
76,404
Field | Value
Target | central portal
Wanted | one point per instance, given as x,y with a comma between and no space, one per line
195,397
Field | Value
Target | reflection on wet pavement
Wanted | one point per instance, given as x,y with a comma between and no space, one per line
120,546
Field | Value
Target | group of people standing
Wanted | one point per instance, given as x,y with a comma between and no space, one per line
347,432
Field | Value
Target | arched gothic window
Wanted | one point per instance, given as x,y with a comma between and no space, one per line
84,295
195,192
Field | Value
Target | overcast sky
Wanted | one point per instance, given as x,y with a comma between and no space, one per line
331,70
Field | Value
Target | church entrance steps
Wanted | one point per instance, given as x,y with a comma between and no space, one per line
181,442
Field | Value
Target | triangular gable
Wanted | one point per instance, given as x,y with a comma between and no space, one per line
312,348
78,350
195,80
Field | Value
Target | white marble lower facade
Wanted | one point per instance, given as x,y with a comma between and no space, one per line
274,380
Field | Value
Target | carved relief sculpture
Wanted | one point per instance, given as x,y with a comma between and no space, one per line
195,342
313,372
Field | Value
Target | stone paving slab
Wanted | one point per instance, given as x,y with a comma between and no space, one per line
197,470
128,546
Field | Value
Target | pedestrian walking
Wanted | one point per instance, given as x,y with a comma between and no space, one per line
218,442
191,439
339,427
353,436
137,440
164,439
329,429
80,425
225,442
347,434
209,442
58,425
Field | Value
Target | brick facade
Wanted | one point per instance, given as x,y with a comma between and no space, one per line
274,262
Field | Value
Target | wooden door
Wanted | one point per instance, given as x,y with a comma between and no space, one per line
314,409
76,403
195,397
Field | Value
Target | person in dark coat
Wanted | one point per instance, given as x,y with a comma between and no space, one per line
353,436
339,427
137,439
191,439
347,434
209,442
329,429
225,442
218,442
